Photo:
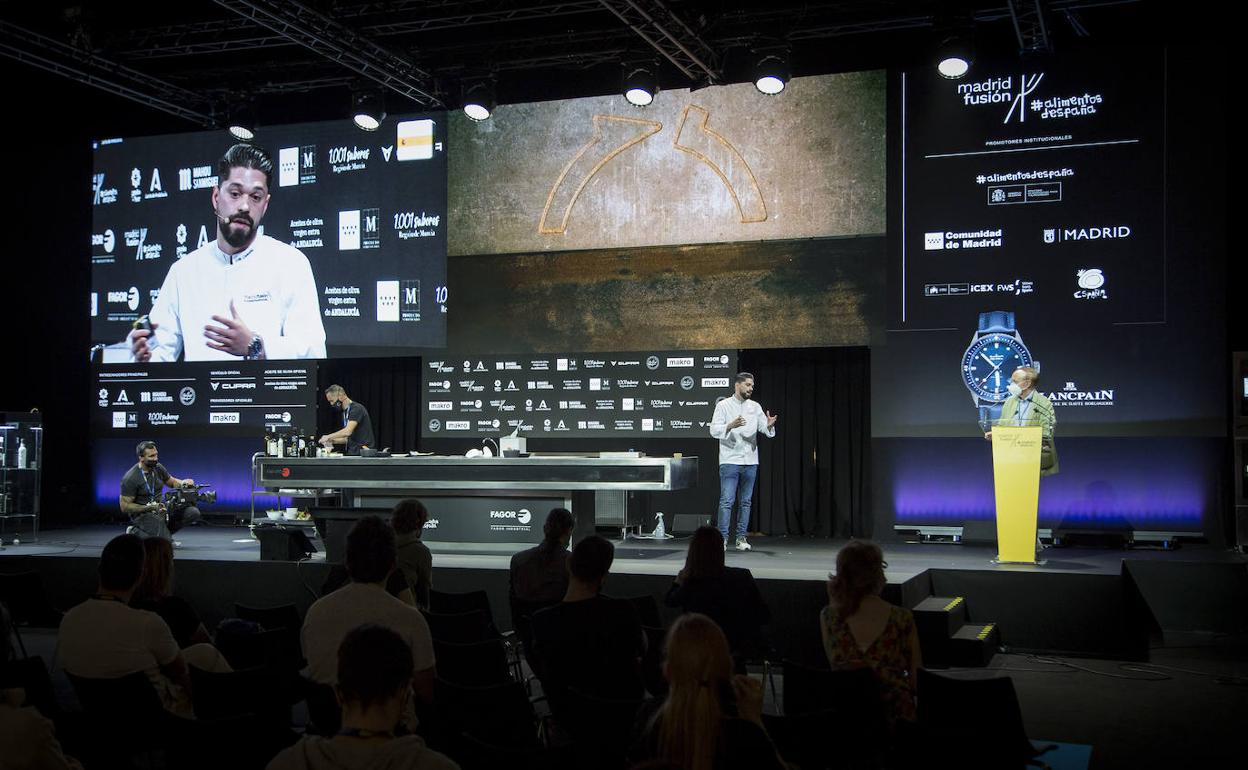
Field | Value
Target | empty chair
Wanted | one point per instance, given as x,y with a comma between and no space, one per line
283,618
652,662
476,664
454,603
255,649
501,714
647,609
601,728
461,627
324,713
112,707
974,718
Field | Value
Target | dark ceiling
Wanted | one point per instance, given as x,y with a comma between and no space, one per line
301,61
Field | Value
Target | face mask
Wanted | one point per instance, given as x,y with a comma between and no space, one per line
1014,389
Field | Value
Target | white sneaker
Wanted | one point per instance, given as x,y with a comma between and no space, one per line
742,544
132,530
177,543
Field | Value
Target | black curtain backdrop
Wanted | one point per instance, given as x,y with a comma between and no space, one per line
814,477
389,388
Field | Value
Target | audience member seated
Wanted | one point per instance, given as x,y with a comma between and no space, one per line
374,674
155,593
370,562
860,629
414,560
711,718
539,575
589,641
727,595
27,738
106,638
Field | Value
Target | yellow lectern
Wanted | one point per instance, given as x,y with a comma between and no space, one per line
1016,478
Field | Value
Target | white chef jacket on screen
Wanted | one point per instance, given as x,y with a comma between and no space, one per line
273,291
739,446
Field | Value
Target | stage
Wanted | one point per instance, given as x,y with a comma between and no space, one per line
1082,601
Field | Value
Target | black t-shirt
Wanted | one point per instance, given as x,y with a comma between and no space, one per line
363,435
732,600
144,485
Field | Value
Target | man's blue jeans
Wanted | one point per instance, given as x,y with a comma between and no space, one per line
736,482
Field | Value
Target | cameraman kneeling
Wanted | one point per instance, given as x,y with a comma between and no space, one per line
141,489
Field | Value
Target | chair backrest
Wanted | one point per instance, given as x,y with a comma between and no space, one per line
460,627
269,618
271,649
502,713
284,620
476,664
853,695
652,662
31,675
454,603
974,716
647,609
126,698
323,711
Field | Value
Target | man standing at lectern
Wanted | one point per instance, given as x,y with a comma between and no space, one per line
1027,406
737,423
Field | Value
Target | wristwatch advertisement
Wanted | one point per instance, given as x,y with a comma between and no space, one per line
996,350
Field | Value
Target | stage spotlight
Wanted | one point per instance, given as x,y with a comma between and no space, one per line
771,72
640,84
368,110
479,100
954,57
242,120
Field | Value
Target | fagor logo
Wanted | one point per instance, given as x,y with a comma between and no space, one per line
523,516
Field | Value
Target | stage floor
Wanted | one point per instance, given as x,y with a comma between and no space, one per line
772,558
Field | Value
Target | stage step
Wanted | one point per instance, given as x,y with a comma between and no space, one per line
973,644
948,638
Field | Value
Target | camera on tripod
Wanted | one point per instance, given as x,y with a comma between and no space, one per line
183,497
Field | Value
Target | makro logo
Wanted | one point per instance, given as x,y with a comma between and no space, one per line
223,418
713,382
458,425
1063,234
441,406
1091,284
680,362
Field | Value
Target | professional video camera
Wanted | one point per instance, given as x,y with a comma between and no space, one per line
182,497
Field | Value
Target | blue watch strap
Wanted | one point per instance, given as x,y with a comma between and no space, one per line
996,321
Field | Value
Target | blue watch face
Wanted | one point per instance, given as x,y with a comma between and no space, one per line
988,364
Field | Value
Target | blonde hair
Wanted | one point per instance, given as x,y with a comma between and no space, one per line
699,668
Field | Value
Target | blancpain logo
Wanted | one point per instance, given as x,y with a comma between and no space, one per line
1072,395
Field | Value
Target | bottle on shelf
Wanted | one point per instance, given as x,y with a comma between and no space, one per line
21,453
